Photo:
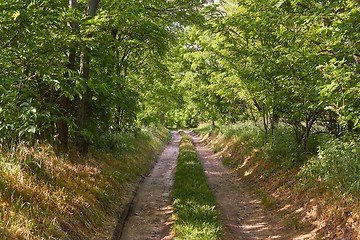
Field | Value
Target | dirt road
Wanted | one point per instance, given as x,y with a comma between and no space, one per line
242,215
151,206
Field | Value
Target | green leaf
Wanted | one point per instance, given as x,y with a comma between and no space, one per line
16,15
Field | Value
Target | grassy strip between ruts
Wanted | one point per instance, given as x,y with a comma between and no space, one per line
194,204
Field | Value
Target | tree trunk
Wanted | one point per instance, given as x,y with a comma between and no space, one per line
82,142
310,120
253,118
213,125
307,133
265,123
299,132
62,126
274,121
64,102
274,118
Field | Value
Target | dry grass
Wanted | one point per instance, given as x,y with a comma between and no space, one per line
45,196
320,209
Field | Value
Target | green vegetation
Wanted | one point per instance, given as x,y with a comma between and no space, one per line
194,204
73,70
79,74
326,176
266,201
275,62
337,164
44,196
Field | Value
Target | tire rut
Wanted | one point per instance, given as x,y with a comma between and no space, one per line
242,214
151,206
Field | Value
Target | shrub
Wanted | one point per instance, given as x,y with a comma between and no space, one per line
337,163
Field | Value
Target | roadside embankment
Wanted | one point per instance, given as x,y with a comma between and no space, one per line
46,196
312,189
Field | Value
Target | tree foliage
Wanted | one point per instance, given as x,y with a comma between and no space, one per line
97,66
84,69
294,61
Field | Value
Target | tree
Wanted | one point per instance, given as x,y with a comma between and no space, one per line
282,54
74,74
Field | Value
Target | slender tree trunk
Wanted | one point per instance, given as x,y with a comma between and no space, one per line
213,125
310,120
273,116
82,142
62,126
307,133
265,123
299,131
64,102
253,118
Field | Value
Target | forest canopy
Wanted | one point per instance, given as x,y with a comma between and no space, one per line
295,62
72,70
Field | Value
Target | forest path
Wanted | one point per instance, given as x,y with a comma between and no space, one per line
151,207
241,212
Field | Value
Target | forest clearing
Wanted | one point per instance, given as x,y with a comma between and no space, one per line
93,94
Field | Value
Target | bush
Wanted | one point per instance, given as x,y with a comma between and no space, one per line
337,163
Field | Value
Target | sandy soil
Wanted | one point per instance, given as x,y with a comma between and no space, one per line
151,206
242,214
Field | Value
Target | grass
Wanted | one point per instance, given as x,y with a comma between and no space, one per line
45,196
267,201
324,178
195,214
337,164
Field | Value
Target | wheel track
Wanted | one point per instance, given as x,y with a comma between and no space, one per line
148,214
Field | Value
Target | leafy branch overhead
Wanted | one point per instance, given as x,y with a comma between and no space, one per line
104,55
176,63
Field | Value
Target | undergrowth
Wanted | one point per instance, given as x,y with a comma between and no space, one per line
325,177
194,204
45,196
337,164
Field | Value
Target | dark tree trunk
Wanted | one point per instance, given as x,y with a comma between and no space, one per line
265,117
274,121
82,142
310,120
299,131
253,118
274,118
62,125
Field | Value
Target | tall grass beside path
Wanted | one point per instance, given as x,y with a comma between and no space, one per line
45,196
323,180
195,214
